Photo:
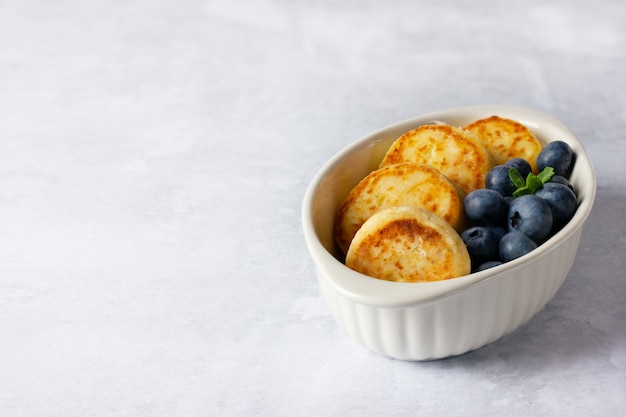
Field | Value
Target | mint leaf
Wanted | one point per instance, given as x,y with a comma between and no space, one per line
516,178
521,191
533,182
546,174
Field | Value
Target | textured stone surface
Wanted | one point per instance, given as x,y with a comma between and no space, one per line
153,158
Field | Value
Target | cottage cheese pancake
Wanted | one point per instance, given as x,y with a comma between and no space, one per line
404,184
457,154
408,244
507,139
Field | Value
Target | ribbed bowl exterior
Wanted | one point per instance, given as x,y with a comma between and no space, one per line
458,322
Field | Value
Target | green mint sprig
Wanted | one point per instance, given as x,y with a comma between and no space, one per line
532,183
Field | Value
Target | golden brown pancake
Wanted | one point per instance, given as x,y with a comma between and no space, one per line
405,184
507,139
408,244
457,154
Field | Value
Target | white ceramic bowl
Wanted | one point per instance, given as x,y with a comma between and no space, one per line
421,321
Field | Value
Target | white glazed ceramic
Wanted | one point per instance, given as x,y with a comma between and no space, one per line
421,321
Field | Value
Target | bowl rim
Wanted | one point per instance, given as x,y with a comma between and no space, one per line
366,290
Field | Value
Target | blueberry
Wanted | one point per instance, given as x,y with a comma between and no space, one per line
558,155
498,230
559,179
532,216
482,243
487,265
498,179
515,244
521,165
562,202
485,206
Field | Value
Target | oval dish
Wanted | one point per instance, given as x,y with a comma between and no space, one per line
431,320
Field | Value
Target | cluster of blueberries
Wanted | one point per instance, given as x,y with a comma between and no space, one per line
518,210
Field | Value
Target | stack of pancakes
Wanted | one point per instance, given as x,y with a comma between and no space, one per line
402,221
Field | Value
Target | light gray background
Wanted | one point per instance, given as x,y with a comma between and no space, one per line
153,159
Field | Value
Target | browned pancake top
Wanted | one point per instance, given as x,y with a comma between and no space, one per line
457,154
406,184
408,244
506,139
